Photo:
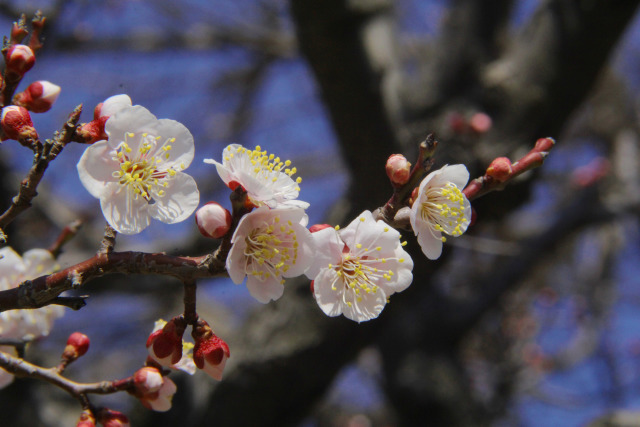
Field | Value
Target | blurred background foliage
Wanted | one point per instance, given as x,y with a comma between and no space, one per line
530,319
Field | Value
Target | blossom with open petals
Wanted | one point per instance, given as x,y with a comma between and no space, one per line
440,207
137,173
357,269
270,244
267,180
25,324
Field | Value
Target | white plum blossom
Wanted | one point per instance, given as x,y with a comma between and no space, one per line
24,324
356,269
440,207
137,173
270,244
266,179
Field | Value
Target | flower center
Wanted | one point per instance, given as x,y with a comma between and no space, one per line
141,172
444,210
271,249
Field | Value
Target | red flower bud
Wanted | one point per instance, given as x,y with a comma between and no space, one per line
86,419
147,380
398,169
500,169
77,345
19,59
213,220
165,345
480,123
38,97
110,418
210,352
16,123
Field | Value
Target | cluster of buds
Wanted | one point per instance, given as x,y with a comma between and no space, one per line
154,390
104,416
210,352
165,344
38,97
213,220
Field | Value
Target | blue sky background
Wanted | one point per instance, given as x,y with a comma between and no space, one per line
290,121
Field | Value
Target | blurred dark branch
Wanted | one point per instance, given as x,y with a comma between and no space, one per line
551,66
351,49
43,157
469,39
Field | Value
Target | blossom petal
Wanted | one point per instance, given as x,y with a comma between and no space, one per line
125,213
38,262
132,119
265,291
182,149
236,262
11,266
180,200
431,245
113,104
456,174
329,251
368,307
96,167
329,300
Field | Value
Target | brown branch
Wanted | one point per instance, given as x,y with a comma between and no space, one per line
45,289
494,180
67,233
28,186
22,368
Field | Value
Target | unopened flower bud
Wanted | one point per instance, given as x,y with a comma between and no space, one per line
165,344
147,380
480,123
86,419
77,345
210,352
110,418
38,97
398,169
16,123
318,227
19,59
500,169
94,130
213,220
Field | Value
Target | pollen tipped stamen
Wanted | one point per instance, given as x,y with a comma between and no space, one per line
140,172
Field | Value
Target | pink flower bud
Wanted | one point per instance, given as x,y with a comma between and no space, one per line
165,345
86,419
110,418
77,345
213,220
480,123
500,169
210,352
19,59
398,169
147,380
38,97
16,123
318,227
